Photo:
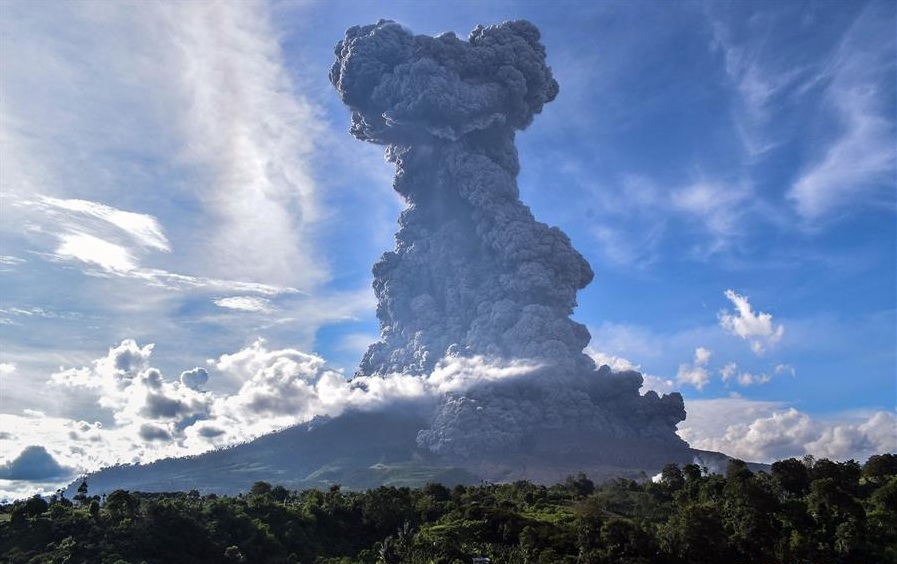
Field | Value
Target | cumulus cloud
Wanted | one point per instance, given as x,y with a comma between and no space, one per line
285,386
876,434
134,391
6,369
154,417
696,372
34,464
194,378
768,431
151,433
756,328
730,373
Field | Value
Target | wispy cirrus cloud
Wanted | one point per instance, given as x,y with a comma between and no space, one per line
856,163
719,207
109,241
245,303
245,126
157,158
226,138
93,250
827,103
143,228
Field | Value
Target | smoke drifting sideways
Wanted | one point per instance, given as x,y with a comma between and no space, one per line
473,273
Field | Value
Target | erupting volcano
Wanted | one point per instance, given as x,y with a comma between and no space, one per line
473,272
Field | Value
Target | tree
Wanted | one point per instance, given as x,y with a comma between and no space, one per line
121,504
260,488
81,496
624,541
792,476
580,485
35,506
880,466
695,533
671,477
749,510
280,493
438,492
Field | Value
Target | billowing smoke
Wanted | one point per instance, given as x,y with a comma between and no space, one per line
473,272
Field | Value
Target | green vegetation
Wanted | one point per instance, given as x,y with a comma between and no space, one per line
801,511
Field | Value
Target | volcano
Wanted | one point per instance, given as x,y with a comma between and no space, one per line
473,278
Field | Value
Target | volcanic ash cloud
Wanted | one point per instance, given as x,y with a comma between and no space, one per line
473,273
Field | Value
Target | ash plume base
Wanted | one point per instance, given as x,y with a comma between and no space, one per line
473,273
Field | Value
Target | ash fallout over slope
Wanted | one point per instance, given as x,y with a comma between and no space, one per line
473,274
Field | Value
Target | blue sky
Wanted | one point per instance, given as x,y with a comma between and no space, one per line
180,174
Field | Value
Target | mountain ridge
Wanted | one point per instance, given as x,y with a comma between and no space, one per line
367,449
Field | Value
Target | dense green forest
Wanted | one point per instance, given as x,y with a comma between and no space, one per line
801,511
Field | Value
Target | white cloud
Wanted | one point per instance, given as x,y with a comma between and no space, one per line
748,379
194,378
153,417
695,373
857,166
93,250
356,344
144,229
242,122
119,102
758,81
616,363
785,369
718,205
876,434
767,431
135,392
245,303
638,217
758,329
620,364
730,372
165,151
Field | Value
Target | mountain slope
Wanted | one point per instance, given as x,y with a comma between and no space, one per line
361,450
